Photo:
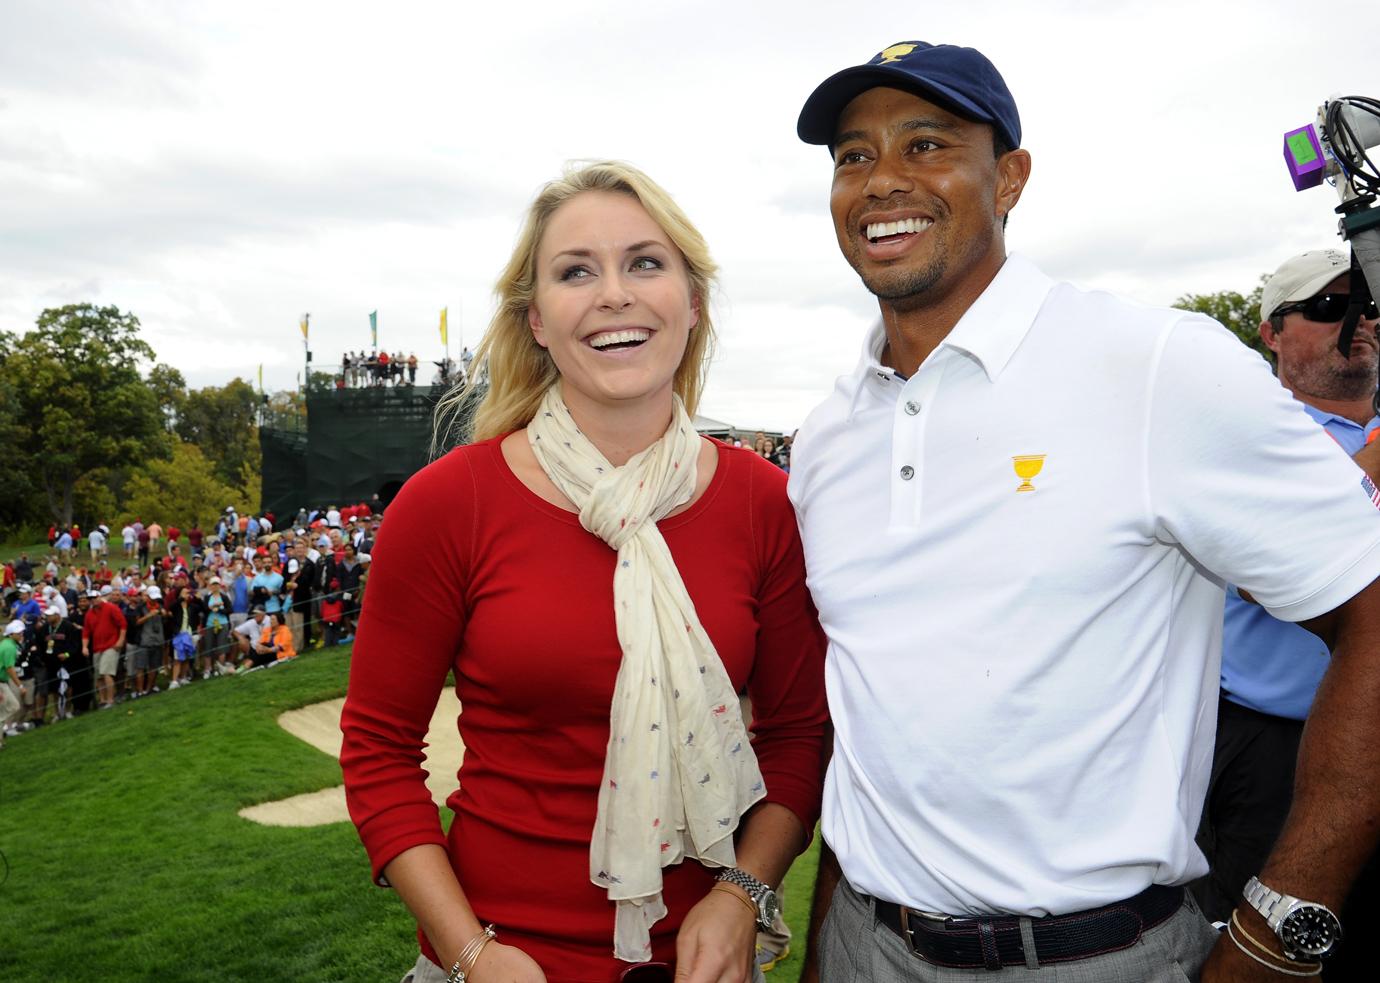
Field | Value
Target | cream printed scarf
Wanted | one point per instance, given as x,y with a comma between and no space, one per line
679,771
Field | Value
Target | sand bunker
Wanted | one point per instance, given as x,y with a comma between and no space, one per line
319,726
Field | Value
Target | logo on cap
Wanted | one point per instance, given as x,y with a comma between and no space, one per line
895,53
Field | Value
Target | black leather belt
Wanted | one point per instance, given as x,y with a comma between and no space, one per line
995,941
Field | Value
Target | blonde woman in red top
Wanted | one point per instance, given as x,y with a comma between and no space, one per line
601,581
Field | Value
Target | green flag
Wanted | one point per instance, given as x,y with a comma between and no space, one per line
374,326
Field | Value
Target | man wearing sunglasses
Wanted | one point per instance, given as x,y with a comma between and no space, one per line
1303,305
1271,668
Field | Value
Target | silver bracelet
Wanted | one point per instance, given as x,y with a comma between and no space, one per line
464,963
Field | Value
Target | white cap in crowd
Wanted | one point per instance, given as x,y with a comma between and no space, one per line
155,594
15,627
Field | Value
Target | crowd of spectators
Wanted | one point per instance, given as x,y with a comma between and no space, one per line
764,445
359,370
106,617
158,608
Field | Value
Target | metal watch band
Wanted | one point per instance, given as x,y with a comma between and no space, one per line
744,880
755,889
1268,902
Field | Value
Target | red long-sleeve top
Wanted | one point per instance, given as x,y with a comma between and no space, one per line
475,573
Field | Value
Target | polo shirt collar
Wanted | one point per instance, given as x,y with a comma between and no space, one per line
1324,417
990,330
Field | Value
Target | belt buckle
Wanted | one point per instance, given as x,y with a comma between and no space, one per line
943,924
936,920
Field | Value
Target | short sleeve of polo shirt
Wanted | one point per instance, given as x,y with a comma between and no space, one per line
1248,484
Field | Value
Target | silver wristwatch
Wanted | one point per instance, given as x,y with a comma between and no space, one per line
1306,930
761,894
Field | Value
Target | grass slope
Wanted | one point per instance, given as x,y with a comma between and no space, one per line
127,860
38,552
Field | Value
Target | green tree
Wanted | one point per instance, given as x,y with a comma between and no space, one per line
1240,315
93,499
170,389
181,489
17,490
220,420
85,406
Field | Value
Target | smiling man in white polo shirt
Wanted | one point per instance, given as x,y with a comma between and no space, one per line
1018,513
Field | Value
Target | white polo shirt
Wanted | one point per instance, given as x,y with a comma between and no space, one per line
1024,682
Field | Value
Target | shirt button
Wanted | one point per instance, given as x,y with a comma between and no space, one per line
907,473
912,407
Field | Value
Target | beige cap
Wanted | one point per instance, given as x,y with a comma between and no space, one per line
1302,277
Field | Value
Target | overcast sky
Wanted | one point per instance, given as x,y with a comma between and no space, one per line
217,169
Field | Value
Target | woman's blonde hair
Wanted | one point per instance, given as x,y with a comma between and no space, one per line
518,370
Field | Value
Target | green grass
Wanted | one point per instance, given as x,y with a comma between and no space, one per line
127,860
799,893
38,553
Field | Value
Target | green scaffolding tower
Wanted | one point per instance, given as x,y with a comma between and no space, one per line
354,444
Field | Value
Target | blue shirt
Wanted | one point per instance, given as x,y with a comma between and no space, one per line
273,582
28,611
239,595
1270,665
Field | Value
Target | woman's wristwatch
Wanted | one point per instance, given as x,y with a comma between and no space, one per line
1306,930
761,894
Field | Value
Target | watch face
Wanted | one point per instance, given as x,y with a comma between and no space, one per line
768,907
1310,930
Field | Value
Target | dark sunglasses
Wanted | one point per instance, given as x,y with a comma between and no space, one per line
648,973
1325,308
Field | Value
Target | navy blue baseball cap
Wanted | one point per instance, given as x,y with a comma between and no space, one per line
961,79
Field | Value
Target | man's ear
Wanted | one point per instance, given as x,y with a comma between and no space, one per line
1013,171
1269,335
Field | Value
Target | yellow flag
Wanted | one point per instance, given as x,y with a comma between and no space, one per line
444,339
304,326
261,377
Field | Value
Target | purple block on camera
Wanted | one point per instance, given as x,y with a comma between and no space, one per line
1303,153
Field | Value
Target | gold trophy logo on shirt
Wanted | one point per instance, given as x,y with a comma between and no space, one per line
1027,466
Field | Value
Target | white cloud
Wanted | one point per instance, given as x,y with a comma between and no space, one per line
219,170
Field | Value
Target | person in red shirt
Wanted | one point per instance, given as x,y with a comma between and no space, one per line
602,582
332,613
102,638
